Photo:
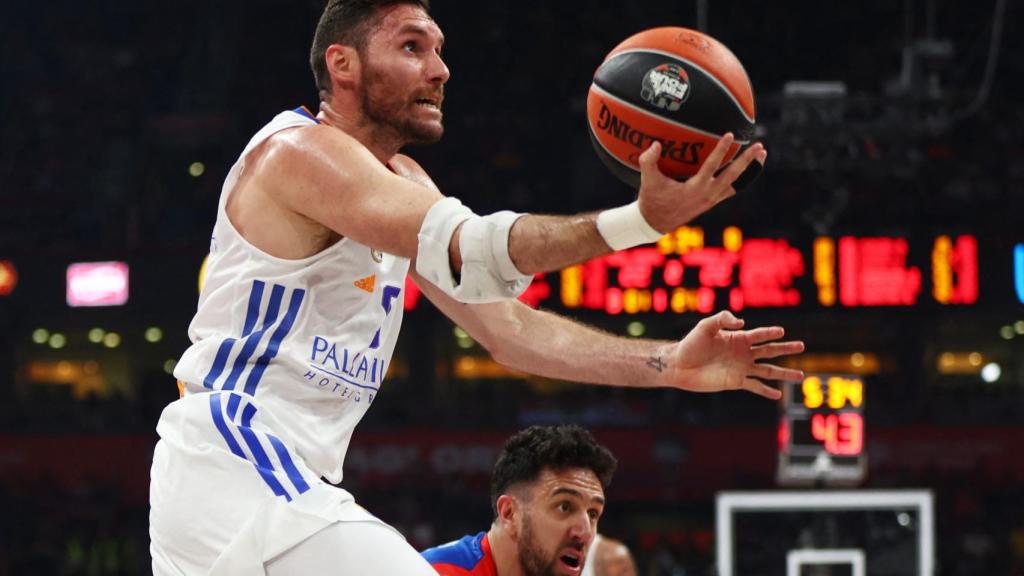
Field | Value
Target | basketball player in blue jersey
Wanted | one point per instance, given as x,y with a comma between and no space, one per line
319,222
547,495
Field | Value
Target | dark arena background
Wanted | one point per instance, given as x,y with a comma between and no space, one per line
887,231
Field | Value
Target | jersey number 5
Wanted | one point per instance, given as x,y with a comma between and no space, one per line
387,297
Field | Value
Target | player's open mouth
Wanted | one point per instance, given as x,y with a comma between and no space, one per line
429,103
571,560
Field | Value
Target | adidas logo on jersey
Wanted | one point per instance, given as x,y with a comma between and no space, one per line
366,283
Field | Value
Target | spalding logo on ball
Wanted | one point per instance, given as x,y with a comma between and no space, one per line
675,85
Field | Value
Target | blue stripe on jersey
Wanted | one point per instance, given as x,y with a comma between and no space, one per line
222,427
275,341
247,413
289,466
220,360
252,313
263,464
253,339
233,405
260,458
282,452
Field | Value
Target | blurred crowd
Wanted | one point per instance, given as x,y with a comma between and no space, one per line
107,106
93,531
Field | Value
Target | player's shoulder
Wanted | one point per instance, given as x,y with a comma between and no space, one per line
458,557
324,156
299,134
304,139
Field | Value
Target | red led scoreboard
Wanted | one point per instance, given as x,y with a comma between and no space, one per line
821,431
683,273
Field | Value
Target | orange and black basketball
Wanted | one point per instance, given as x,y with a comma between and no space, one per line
675,85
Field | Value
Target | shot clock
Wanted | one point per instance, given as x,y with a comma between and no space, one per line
821,431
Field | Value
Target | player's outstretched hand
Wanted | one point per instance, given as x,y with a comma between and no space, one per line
719,355
667,204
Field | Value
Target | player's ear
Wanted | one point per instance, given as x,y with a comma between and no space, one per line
508,512
342,64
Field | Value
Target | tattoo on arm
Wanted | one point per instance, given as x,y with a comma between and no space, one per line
656,363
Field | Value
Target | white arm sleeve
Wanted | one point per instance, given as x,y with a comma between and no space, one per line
488,273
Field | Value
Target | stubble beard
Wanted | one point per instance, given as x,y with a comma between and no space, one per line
382,108
531,555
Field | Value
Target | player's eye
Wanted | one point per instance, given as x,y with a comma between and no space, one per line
409,46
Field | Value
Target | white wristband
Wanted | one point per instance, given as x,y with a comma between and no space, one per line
625,227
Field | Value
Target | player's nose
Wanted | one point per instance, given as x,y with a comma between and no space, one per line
438,70
582,529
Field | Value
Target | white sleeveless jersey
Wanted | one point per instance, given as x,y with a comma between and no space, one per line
305,343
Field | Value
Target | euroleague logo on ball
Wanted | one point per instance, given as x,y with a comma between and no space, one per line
666,86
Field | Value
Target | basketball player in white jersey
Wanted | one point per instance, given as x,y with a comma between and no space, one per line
608,557
319,222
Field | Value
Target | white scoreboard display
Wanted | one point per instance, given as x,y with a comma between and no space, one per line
821,431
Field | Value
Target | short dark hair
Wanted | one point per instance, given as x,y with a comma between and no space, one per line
530,451
346,22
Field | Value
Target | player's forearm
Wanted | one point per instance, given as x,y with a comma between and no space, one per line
548,345
546,243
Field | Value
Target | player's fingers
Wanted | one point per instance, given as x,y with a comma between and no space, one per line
763,334
736,168
747,177
710,166
761,389
776,349
724,320
649,158
773,372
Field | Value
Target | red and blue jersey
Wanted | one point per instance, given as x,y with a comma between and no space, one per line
467,556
